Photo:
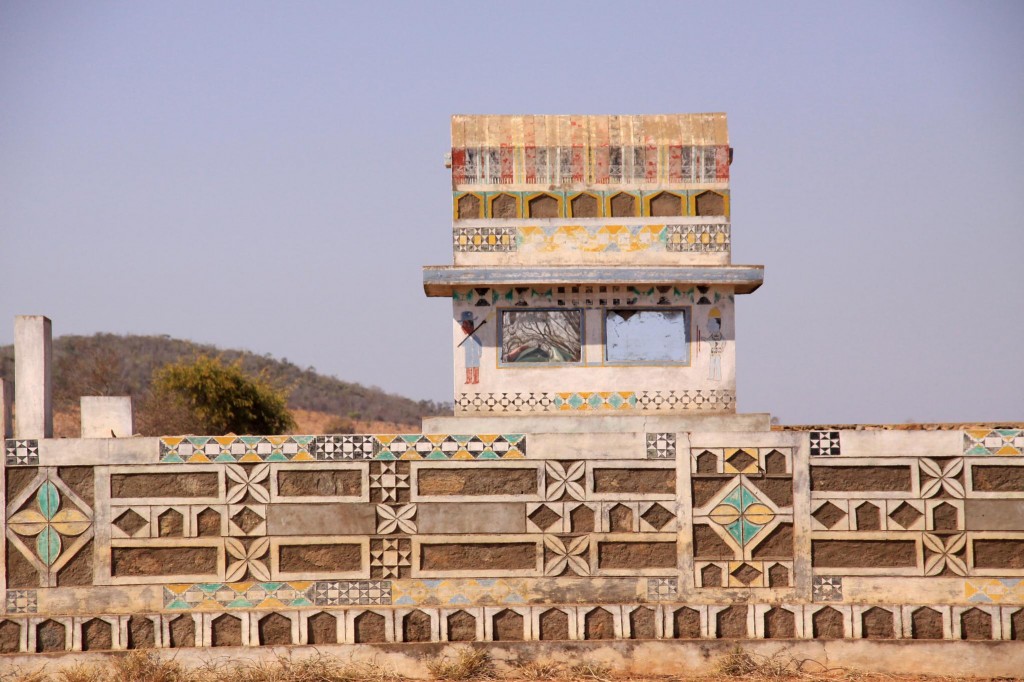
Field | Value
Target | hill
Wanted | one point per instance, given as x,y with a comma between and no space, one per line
111,364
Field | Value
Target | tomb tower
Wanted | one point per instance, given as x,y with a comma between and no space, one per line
592,266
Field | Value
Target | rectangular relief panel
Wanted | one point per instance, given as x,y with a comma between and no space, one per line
336,518
309,482
319,558
170,485
484,556
622,554
867,478
620,480
140,562
443,482
864,553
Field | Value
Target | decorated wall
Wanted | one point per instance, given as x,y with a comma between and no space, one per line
252,541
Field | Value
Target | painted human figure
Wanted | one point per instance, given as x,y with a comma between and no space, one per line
472,347
716,342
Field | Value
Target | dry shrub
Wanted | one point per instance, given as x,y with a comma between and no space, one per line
536,670
146,666
550,670
466,664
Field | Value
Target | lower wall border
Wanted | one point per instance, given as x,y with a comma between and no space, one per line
43,634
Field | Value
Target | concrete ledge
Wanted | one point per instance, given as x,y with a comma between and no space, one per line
597,423
440,280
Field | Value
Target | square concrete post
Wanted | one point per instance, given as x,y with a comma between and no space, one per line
106,416
33,388
6,401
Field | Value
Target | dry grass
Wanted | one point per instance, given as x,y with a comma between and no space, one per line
466,664
145,666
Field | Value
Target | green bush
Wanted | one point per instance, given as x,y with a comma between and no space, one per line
206,396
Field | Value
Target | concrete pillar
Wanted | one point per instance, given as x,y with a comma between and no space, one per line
106,416
6,401
33,388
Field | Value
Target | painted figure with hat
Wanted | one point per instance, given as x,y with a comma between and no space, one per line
472,346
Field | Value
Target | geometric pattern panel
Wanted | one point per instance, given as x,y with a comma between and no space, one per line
21,452
48,523
921,516
599,238
662,589
593,296
219,596
252,449
994,590
342,592
206,449
742,512
988,442
697,238
827,588
661,446
484,239
824,443
713,400
443,446
482,591
21,601
262,595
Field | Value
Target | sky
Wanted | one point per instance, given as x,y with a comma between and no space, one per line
269,176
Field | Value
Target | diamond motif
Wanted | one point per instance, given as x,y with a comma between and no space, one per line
746,573
828,514
130,522
742,514
544,517
657,516
905,515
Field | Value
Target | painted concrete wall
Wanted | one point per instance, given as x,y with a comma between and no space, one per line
705,382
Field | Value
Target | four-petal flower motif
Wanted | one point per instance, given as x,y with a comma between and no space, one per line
942,478
49,523
247,560
390,519
253,482
572,555
564,478
945,551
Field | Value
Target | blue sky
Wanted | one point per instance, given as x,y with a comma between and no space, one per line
269,176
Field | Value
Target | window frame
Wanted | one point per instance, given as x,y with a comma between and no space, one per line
688,341
502,364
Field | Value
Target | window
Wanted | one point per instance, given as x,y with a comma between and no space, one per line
655,336
541,336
